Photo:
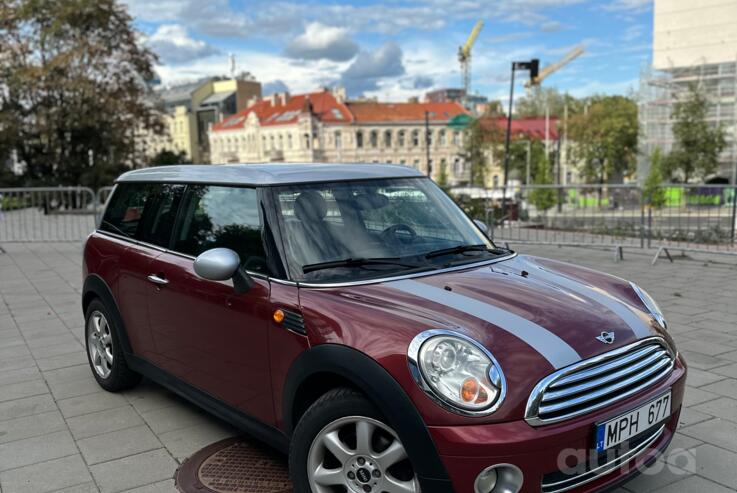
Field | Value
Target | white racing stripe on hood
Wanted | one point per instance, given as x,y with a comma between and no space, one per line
549,345
613,304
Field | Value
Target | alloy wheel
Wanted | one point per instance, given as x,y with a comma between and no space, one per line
100,344
358,454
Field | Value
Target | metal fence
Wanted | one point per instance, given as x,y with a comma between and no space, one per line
47,214
687,217
680,217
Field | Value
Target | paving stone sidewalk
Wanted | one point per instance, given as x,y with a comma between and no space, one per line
60,432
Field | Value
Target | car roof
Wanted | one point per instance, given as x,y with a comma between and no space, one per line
266,174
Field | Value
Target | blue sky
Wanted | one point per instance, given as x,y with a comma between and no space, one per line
397,49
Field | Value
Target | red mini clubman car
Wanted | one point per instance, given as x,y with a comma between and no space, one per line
355,318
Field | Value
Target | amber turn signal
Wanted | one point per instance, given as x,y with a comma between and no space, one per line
470,389
278,316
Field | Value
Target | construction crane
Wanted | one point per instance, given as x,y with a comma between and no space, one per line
464,56
554,67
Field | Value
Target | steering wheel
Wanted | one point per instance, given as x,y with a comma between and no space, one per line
390,234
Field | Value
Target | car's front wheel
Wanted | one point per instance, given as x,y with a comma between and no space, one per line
343,444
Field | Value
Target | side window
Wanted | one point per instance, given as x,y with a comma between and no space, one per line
158,220
126,208
228,217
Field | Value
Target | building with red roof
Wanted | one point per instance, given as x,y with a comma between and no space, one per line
324,127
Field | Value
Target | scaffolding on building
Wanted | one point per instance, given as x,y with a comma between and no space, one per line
659,91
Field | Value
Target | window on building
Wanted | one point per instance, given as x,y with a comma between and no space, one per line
403,162
374,138
456,138
415,138
441,138
289,141
428,136
307,140
338,139
263,142
400,138
416,164
387,138
359,139
281,142
496,181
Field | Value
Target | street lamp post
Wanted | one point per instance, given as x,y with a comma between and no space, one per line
427,143
533,66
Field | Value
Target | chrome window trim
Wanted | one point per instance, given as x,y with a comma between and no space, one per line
534,402
257,275
287,282
603,469
413,352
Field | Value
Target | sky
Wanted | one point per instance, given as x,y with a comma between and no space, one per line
397,49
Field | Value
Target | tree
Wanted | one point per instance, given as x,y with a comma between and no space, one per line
476,142
72,89
518,150
166,157
534,101
543,198
696,145
652,191
443,175
606,138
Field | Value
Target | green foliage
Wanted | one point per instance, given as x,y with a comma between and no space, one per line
653,191
475,144
697,146
72,92
534,101
606,137
443,175
518,158
166,157
543,198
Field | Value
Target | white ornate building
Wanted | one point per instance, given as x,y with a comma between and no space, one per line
323,127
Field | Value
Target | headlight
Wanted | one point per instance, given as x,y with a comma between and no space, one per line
651,305
457,372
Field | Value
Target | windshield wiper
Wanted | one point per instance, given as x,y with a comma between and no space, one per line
457,249
358,262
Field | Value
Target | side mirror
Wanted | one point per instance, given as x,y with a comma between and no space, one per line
221,264
482,226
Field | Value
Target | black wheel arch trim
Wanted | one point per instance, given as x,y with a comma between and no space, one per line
384,391
94,284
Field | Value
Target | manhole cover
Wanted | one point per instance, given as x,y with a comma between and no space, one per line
234,465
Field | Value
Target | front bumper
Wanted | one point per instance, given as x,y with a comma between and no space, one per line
540,452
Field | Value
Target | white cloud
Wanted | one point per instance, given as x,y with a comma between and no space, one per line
322,42
367,70
174,45
629,6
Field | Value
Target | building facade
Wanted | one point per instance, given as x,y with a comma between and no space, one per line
188,112
324,127
693,43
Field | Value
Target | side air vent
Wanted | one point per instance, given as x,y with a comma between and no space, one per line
294,322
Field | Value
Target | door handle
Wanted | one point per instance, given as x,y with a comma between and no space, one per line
157,280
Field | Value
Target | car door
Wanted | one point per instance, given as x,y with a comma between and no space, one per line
205,333
137,219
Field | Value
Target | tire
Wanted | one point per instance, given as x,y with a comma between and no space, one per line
104,353
381,466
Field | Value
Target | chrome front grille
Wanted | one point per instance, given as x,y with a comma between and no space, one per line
600,381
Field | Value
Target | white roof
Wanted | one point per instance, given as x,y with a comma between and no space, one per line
266,174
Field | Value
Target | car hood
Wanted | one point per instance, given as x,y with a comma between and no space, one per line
535,315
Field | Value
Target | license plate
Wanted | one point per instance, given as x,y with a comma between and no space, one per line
632,423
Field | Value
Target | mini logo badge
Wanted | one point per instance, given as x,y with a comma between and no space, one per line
606,337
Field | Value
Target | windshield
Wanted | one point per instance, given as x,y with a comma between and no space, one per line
346,231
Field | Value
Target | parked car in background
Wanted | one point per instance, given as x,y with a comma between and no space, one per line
355,318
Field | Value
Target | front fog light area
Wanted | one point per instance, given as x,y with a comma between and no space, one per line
501,478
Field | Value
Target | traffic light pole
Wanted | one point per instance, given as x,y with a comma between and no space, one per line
507,142
427,144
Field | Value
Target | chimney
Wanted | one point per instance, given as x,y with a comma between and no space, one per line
282,98
339,94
